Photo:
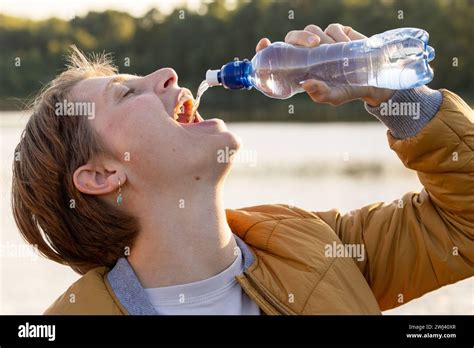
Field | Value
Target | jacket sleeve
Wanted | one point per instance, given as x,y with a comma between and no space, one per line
424,240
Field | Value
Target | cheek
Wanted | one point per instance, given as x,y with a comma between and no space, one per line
145,138
144,109
154,142
134,126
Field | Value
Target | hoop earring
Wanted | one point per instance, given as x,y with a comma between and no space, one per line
119,197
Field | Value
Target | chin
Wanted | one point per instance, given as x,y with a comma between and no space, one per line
219,143
233,141
226,139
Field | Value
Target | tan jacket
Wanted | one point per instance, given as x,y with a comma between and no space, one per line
411,246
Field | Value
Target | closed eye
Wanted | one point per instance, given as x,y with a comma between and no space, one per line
129,92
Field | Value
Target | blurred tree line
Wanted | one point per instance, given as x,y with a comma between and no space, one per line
32,52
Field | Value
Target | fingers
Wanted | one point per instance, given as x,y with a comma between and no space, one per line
353,34
263,43
312,35
319,91
341,32
302,38
325,39
336,32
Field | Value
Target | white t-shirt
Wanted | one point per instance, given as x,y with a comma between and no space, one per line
218,295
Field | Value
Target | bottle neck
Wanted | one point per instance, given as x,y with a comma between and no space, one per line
236,75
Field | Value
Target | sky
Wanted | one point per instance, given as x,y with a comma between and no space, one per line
41,9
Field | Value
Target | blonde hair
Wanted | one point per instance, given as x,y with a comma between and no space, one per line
67,226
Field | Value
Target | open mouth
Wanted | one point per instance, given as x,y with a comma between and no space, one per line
183,111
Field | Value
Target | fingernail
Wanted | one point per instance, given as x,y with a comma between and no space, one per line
312,39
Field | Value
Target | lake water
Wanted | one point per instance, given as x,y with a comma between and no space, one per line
313,166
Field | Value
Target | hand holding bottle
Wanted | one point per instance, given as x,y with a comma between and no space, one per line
319,91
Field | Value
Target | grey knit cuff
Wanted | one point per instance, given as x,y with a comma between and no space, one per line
408,111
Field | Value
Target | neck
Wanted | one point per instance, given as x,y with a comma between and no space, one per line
184,237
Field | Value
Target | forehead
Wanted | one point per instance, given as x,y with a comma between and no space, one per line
90,89
95,88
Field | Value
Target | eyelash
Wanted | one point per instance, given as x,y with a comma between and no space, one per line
130,91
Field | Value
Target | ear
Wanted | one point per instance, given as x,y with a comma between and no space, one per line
95,179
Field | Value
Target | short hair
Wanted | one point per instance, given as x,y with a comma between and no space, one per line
67,226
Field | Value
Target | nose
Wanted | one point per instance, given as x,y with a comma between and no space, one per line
164,79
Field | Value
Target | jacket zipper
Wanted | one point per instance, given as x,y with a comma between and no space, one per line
263,293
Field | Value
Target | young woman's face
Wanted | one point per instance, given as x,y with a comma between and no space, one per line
136,119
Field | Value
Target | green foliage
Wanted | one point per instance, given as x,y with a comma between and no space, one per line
215,35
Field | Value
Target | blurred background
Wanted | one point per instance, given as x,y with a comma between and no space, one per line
295,152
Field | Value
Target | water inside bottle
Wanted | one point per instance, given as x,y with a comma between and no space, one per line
397,65
397,59
203,87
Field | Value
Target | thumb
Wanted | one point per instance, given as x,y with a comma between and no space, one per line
317,90
320,92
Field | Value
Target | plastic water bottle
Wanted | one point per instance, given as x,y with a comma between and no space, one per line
395,59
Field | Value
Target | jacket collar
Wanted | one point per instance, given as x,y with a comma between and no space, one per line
130,293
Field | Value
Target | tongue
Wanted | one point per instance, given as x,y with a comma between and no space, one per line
183,118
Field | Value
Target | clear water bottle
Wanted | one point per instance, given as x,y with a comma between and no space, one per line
395,59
